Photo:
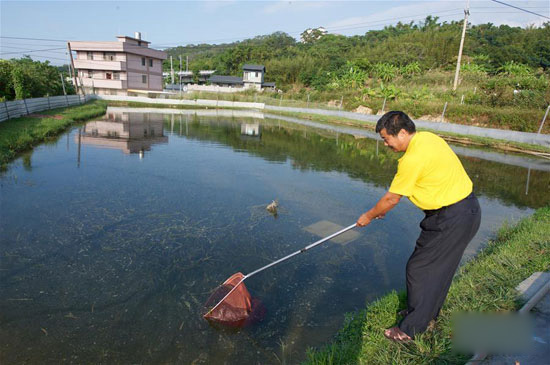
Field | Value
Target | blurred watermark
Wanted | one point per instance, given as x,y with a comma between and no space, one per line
495,333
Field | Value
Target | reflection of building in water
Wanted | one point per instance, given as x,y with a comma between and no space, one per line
129,132
252,130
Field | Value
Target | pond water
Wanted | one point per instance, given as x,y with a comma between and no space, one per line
113,236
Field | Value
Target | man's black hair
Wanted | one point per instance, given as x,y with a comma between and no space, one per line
394,121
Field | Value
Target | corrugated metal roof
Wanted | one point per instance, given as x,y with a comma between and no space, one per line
219,79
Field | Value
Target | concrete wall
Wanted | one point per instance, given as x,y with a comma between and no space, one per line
214,88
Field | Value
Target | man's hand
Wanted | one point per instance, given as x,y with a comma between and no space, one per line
363,220
385,204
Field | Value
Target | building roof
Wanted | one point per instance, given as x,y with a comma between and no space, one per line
219,79
248,67
268,84
132,38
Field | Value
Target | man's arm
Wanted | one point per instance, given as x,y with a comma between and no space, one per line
384,205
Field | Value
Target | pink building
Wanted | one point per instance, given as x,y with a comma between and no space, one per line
119,68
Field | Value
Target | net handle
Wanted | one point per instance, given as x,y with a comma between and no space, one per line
281,260
301,250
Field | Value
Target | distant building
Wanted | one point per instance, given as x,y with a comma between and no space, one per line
118,68
311,35
253,78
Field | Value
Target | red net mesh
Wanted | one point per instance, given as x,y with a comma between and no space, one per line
234,310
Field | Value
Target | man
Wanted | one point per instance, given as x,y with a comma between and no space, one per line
432,177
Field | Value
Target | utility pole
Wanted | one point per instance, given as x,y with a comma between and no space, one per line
72,65
180,73
187,64
63,84
466,13
172,70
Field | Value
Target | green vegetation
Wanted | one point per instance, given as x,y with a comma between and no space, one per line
504,83
17,135
25,78
484,284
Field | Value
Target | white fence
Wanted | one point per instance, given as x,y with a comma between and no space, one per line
198,102
19,108
215,88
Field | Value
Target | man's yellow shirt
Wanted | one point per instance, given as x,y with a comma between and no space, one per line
430,174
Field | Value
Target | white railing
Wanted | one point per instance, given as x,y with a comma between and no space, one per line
198,102
19,108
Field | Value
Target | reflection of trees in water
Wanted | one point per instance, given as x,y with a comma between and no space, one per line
360,158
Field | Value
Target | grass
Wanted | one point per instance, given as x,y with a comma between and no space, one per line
486,283
20,134
453,137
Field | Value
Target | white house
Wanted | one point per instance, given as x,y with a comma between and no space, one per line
117,68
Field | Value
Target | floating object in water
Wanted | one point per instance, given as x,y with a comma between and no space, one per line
272,207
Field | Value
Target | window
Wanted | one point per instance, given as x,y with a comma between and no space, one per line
139,43
143,61
90,74
107,56
108,75
256,74
116,76
150,62
144,79
90,55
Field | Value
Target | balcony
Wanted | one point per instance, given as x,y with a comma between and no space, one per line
105,83
100,65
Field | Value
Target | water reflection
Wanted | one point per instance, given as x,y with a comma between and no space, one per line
115,260
250,129
128,132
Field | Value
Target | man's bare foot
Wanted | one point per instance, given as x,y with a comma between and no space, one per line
395,334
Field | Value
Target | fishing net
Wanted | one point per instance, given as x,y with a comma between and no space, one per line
233,309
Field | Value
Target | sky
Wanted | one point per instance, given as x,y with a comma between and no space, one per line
49,24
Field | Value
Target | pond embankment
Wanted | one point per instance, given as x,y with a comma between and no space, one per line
506,140
20,134
486,283
502,139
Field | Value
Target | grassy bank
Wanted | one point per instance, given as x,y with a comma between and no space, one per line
486,283
451,137
20,134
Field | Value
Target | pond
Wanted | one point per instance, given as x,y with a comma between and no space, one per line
113,236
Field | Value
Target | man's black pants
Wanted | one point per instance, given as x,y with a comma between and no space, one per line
445,234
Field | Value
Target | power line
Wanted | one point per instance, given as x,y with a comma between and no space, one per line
525,10
36,50
35,39
377,22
